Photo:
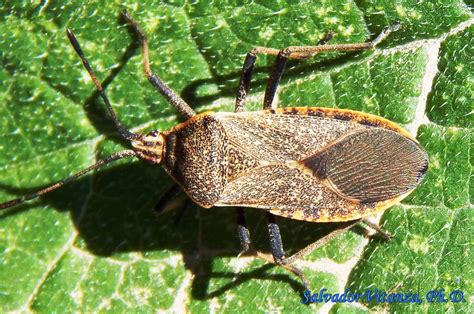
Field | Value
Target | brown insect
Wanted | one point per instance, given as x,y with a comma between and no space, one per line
312,164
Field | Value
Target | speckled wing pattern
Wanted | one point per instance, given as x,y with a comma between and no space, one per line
315,167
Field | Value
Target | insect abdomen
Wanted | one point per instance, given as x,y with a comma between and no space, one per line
195,156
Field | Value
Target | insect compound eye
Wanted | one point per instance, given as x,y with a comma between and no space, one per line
153,133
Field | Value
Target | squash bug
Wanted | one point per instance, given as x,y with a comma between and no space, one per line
304,163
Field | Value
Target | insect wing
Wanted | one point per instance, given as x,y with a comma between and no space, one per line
318,164
371,165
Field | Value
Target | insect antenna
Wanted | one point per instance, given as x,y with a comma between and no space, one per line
122,130
57,185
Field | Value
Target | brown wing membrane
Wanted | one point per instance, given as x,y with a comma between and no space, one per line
371,165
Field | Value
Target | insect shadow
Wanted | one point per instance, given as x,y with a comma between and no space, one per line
111,211
227,83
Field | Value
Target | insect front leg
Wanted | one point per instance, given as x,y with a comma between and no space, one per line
163,204
173,98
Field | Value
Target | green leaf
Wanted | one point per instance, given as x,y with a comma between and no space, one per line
95,245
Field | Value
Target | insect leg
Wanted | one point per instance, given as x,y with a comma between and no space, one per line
277,250
279,66
173,98
274,79
384,234
304,52
244,84
318,243
242,230
275,239
288,267
277,247
165,200
242,91
247,69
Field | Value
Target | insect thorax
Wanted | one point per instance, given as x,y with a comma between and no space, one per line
195,156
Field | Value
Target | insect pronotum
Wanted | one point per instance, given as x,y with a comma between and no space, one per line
304,163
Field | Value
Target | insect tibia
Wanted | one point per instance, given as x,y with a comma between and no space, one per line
150,147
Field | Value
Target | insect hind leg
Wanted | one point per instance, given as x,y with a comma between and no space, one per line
281,59
247,72
384,234
277,257
341,229
305,52
320,242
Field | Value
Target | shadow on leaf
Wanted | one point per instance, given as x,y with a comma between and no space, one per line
112,213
